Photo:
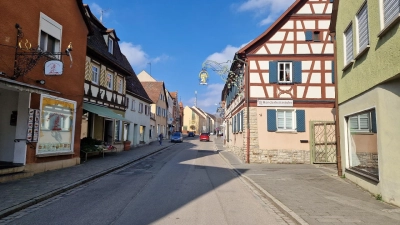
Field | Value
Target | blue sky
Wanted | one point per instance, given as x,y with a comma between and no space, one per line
175,37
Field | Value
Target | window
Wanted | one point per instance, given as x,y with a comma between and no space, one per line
133,105
391,11
362,28
110,45
348,39
146,110
285,119
109,81
50,34
161,97
362,150
117,132
140,107
127,103
158,111
285,72
120,85
95,74
316,36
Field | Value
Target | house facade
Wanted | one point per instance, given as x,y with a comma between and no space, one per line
104,96
40,125
138,111
176,120
367,54
157,93
279,97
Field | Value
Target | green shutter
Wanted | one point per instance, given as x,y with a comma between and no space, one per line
301,120
297,72
271,120
273,72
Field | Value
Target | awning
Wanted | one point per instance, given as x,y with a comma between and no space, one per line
103,112
20,86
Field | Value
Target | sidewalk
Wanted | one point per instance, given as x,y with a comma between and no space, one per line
19,194
313,194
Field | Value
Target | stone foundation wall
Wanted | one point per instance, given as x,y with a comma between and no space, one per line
280,156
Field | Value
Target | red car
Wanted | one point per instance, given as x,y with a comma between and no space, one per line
204,137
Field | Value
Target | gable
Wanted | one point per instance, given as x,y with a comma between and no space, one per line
288,34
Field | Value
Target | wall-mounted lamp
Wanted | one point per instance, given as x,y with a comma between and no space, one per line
41,81
260,114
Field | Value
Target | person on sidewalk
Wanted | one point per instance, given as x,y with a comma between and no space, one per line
160,138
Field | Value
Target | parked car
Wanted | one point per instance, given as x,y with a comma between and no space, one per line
204,137
177,137
190,134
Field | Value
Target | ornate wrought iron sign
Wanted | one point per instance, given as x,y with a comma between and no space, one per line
203,77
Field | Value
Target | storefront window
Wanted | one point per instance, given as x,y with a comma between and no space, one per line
117,136
57,125
362,140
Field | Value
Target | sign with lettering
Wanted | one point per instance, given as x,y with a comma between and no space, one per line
53,67
281,103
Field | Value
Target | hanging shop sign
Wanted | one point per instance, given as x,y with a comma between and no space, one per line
57,126
203,77
53,67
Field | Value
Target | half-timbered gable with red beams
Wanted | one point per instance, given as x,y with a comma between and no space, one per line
289,82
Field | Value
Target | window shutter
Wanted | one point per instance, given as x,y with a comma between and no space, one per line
353,122
373,121
363,33
297,72
238,122
364,121
242,120
309,35
271,120
391,9
333,72
349,44
301,120
273,72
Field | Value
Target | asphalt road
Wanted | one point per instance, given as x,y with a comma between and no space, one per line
185,184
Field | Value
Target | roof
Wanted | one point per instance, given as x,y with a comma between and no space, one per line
174,94
134,86
153,89
85,18
98,46
276,25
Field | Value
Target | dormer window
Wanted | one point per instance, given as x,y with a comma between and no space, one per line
110,45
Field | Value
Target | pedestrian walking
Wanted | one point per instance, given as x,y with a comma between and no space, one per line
160,138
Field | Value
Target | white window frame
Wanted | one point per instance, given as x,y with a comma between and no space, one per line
361,33
290,71
285,127
52,28
140,107
110,45
133,105
110,80
95,75
347,50
359,117
120,84
385,24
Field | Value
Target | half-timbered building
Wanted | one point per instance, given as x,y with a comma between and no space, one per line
105,86
279,96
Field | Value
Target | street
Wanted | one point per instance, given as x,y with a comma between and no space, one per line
187,183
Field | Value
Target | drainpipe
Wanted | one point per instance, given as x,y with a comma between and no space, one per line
248,110
337,128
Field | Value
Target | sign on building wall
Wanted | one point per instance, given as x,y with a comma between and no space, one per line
279,103
53,67
32,133
57,125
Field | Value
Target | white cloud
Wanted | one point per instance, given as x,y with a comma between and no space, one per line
137,57
274,8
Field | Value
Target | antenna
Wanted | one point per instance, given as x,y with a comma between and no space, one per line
101,14
195,98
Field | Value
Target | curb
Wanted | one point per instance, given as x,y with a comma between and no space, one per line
13,209
278,204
